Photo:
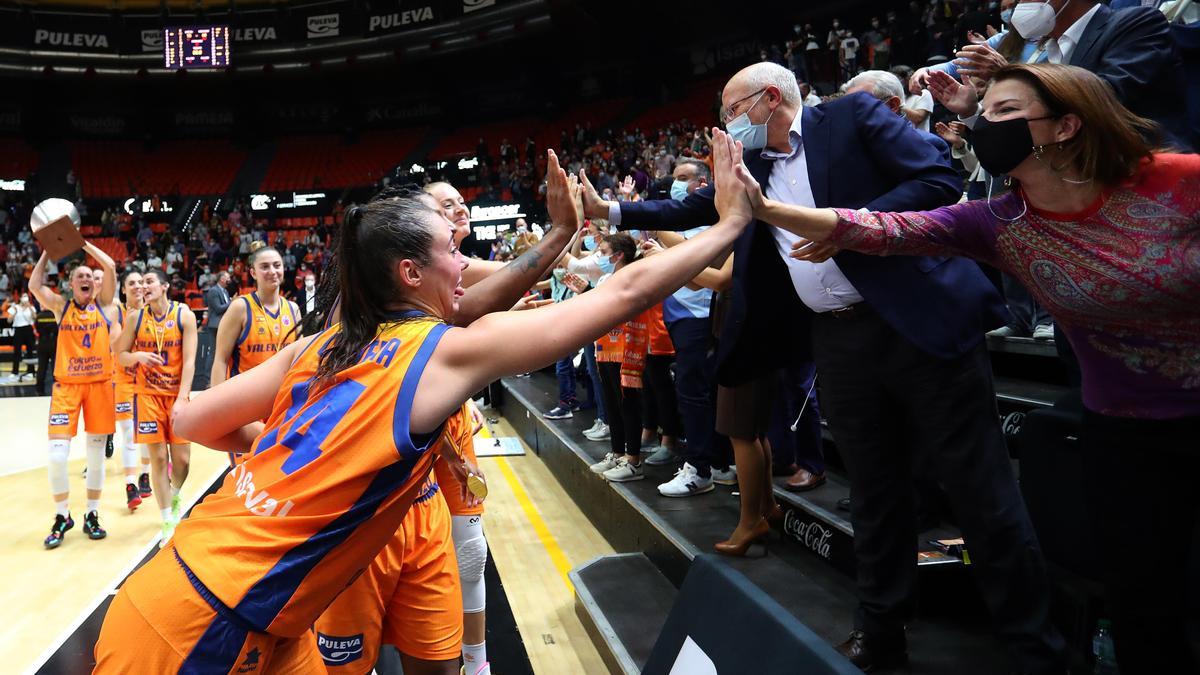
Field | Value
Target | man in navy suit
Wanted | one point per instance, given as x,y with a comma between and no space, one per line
898,343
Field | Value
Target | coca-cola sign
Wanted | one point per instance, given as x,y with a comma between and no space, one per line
812,534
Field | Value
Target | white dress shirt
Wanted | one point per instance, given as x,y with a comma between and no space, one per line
821,286
1060,50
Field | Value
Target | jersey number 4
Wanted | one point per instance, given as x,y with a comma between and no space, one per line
309,425
87,340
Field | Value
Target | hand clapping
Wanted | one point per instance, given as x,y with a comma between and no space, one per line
731,201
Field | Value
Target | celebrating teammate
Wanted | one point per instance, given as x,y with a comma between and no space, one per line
136,487
346,448
83,373
160,340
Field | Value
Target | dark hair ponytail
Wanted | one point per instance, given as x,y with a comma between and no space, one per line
393,226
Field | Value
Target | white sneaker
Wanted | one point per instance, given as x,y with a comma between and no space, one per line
601,434
13,378
1043,333
687,482
168,530
1004,332
594,428
726,477
624,471
609,462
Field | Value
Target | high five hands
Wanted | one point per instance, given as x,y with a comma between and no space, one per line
562,195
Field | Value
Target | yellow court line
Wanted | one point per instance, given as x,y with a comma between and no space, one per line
539,526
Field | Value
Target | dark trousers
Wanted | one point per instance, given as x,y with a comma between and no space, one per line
564,370
659,407
45,369
595,389
1140,477
1027,313
804,445
23,345
696,395
206,345
891,407
624,406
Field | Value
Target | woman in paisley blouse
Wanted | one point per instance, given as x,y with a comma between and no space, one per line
1105,231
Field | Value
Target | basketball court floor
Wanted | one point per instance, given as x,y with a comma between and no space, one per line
52,601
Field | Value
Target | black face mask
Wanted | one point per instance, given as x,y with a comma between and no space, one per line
1002,146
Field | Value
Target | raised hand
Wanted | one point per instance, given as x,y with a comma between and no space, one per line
560,202
731,201
959,98
626,188
979,61
951,133
650,248
593,205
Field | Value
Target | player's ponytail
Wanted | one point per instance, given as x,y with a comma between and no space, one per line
393,226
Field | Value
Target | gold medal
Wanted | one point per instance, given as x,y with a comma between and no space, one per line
477,486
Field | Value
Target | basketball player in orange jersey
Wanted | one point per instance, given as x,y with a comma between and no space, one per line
393,601
83,373
256,325
353,413
160,340
136,487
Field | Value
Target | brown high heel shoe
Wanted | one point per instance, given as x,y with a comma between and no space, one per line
739,548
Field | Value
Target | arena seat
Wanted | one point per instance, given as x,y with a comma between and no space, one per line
313,162
171,167
17,159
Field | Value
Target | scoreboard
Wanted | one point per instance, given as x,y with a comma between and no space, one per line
197,47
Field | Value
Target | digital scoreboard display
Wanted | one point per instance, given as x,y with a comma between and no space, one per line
197,47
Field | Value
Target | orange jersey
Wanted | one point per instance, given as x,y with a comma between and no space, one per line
264,333
611,347
84,352
124,376
325,487
660,339
459,432
162,335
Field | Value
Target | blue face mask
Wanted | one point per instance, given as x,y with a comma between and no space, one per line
606,264
752,136
679,190
636,234
1006,16
589,242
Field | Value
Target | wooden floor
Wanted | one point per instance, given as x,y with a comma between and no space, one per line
535,531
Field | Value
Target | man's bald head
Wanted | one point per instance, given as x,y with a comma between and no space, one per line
760,76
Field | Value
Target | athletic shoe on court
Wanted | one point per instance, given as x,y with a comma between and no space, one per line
558,412
168,530
176,502
58,530
609,462
144,486
662,455
624,471
91,526
726,477
600,434
133,498
687,482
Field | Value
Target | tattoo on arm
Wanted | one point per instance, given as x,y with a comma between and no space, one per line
528,262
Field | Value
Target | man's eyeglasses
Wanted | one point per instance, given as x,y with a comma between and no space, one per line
727,113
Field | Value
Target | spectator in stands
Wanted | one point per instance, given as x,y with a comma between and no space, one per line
873,325
5,282
1094,202
810,97
23,317
918,105
216,302
1131,49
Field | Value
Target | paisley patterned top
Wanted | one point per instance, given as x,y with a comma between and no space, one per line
1122,277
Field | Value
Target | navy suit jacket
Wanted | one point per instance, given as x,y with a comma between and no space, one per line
1133,50
859,155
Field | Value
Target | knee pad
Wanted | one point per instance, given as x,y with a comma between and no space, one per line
59,451
129,451
470,548
95,461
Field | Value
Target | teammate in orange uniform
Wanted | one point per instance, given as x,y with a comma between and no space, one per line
345,450
136,487
83,372
377,608
161,341
256,325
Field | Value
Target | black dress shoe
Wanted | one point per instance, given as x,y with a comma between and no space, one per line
844,504
868,656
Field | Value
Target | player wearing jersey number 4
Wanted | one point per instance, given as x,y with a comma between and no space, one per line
160,340
83,373
353,414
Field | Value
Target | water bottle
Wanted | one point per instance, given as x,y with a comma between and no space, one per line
1103,651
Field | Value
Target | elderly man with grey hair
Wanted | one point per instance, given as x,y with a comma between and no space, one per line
882,85
898,344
